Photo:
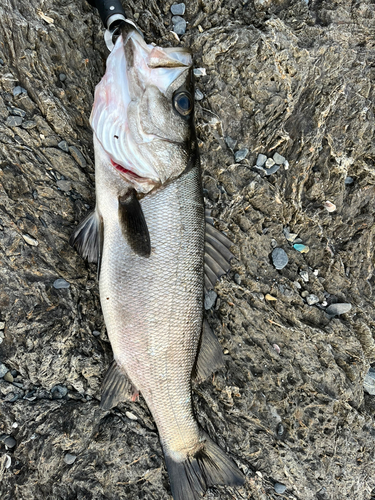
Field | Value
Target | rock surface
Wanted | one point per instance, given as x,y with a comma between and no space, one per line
290,76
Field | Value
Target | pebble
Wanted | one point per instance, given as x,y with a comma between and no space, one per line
240,154
269,297
312,299
70,459
304,275
279,488
200,72
8,377
63,145
279,258
329,206
14,121
8,460
198,95
277,348
261,160
272,170
178,9
78,156
1,62
301,248
60,283
337,309
286,164
17,112
270,163
289,236
369,382
179,25
304,294
30,240
237,279
131,416
2,325
62,77
19,90
210,299
28,124
231,143
3,370
278,159
64,185
96,333
10,442
59,392
349,180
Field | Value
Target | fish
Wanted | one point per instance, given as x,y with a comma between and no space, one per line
157,251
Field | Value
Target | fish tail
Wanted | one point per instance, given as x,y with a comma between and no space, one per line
208,466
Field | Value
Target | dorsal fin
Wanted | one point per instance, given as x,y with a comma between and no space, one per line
133,224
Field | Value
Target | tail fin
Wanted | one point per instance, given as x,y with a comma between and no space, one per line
208,466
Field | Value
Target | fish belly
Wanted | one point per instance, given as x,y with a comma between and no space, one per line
152,305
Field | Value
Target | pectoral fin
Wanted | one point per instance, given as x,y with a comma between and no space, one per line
210,355
87,239
116,387
133,224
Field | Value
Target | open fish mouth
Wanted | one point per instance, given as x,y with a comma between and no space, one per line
132,112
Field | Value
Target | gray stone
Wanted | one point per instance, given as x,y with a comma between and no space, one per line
312,299
369,382
63,145
269,163
59,391
62,77
279,488
241,154
60,283
304,275
272,170
278,159
261,160
178,9
96,333
28,124
19,90
64,185
3,370
339,308
17,112
78,156
199,72
349,180
10,442
70,459
279,258
14,121
231,143
210,299
198,95
179,27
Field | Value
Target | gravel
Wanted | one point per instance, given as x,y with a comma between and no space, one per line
179,25
60,282
198,95
261,160
63,145
279,488
272,170
210,299
278,159
178,9
14,121
312,299
279,258
241,154
70,459
3,370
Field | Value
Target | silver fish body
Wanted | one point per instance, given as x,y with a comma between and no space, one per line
148,235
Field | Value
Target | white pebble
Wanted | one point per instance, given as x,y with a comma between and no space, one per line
329,206
30,240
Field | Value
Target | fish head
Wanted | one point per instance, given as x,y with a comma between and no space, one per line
143,111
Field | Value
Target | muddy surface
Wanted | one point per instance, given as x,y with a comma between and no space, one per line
291,77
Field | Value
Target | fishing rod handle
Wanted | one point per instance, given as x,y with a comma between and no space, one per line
109,11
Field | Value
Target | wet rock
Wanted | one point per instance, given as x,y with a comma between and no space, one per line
178,9
241,154
279,258
339,308
179,25
10,442
60,283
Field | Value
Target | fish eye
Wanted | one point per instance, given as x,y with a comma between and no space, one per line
183,103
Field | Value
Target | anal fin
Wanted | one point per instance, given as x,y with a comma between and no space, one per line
133,224
210,355
116,387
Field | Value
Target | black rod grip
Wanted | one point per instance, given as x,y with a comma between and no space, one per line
107,8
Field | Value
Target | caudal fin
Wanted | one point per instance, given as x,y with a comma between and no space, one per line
208,466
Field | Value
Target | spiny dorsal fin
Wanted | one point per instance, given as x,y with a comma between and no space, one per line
87,238
133,224
210,356
116,387
217,254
